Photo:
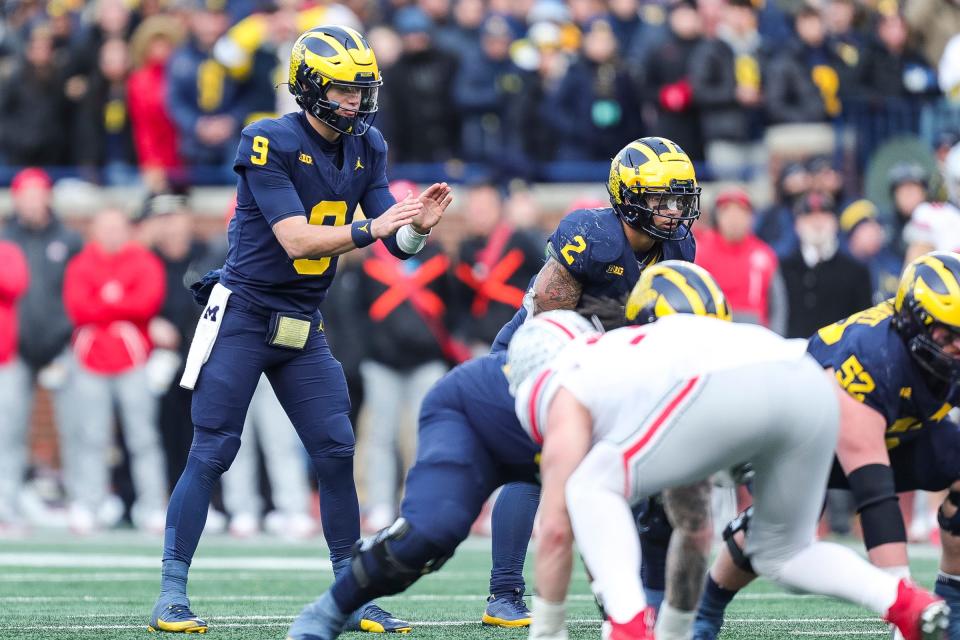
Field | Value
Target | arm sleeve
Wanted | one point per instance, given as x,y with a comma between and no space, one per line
778,307
267,176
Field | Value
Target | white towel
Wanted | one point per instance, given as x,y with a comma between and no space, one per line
207,329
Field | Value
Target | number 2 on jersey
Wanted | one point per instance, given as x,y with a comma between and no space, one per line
321,212
577,246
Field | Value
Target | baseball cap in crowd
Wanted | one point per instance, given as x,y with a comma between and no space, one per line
856,213
814,201
733,195
907,172
412,20
497,26
31,177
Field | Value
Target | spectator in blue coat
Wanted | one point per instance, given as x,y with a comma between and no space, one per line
485,91
206,103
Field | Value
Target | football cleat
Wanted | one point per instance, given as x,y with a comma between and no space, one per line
176,618
507,610
373,619
640,628
918,614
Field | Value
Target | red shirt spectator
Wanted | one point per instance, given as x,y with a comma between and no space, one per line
154,134
744,266
14,278
111,291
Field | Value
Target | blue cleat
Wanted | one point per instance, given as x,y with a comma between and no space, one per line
372,619
175,617
507,610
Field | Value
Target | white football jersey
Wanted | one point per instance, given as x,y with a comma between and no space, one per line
625,376
936,224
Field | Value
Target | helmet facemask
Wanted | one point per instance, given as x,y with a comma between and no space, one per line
678,206
926,341
312,97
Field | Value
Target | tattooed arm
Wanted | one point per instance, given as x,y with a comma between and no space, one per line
688,509
555,288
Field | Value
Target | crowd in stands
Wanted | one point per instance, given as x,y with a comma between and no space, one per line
124,91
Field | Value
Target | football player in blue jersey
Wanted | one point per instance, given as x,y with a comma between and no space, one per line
301,178
899,363
470,443
654,200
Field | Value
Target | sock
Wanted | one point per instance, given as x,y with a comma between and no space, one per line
339,510
173,578
674,624
713,604
549,620
833,570
513,516
187,511
948,588
319,619
654,596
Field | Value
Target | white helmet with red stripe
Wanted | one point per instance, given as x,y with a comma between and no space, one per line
539,340
534,349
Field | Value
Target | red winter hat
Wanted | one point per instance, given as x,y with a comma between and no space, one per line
31,177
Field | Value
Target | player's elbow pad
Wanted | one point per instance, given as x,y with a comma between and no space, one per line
876,498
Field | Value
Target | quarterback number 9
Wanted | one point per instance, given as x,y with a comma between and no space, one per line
335,210
260,148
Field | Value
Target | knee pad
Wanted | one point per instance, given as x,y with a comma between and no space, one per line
740,523
330,438
875,495
395,557
215,448
950,524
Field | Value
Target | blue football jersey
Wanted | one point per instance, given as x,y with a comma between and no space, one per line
593,246
873,365
293,170
489,407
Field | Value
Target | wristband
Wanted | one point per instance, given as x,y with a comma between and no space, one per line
361,233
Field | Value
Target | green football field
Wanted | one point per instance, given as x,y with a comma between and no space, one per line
54,587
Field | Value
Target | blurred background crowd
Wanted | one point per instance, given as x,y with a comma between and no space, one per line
821,132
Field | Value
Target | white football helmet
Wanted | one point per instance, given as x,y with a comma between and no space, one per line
539,340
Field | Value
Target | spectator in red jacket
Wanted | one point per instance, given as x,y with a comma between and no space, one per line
154,134
112,289
744,265
13,444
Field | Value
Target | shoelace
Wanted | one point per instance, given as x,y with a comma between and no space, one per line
180,609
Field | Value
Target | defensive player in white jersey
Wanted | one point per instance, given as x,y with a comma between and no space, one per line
723,396
935,226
